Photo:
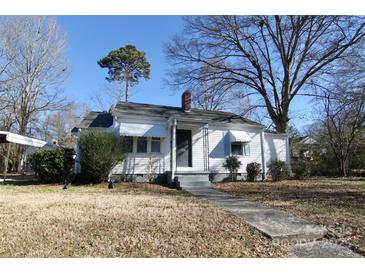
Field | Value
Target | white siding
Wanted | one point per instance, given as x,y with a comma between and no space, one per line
275,148
217,149
141,163
220,148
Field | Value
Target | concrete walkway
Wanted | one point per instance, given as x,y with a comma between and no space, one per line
321,249
275,224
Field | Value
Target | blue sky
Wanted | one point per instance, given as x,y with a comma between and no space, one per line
92,37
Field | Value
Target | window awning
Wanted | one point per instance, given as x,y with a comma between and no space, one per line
146,130
239,136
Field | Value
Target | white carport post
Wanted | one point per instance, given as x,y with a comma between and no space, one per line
6,162
262,142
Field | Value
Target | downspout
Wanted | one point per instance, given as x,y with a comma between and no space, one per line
263,161
288,158
173,149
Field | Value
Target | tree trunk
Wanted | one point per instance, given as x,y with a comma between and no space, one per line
126,91
20,148
281,126
278,114
280,121
343,167
126,79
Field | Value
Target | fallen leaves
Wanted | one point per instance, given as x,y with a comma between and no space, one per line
337,204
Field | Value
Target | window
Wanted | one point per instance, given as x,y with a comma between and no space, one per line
128,144
142,145
155,145
236,148
247,149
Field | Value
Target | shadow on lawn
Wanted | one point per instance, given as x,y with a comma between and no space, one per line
350,197
150,188
133,188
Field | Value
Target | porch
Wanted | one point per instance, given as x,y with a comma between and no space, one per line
189,152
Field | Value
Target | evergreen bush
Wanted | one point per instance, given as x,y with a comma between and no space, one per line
100,151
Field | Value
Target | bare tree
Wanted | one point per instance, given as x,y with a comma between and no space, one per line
34,51
344,116
108,94
210,96
33,69
57,126
272,58
7,118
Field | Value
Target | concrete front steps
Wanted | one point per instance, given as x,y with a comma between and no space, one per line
196,179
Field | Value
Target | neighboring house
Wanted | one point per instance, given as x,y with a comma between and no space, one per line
182,141
302,147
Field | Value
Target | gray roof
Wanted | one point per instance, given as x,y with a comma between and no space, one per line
95,119
148,110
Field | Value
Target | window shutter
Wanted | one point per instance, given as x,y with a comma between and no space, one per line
247,148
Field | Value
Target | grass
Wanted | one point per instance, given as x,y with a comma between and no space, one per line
132,220
337,204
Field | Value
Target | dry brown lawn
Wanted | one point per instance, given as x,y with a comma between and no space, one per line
132,220
337,204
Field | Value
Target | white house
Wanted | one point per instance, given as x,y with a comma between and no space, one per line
192,144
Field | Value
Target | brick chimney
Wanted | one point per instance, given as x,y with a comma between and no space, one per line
186,101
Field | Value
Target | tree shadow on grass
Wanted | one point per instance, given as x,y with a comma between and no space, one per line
155,189
348,197
134,188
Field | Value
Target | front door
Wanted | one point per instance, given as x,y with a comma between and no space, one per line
183,148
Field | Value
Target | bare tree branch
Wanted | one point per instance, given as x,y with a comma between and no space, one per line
275,56
36,67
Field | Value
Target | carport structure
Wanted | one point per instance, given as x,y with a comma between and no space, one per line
8,138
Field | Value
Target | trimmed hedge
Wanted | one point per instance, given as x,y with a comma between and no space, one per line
52,164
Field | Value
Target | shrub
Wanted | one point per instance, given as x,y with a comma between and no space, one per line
232,164
100,151
52,164
278,170
253,170
357,172
301,169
